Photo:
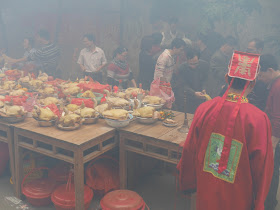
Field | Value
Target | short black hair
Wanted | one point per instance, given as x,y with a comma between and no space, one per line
30,41
44,34
119,50
230,40
259,43
202,37
177,43
157,37
90,37
191,52
238,84
146,43
268,61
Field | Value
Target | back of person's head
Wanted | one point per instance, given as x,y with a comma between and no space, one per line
178,43
231,41
31,41
157,37
90,37
44,34
268,61
238,84
202,37
146,43
173,20
258,43
119,50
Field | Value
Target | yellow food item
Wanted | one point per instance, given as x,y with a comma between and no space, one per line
43,77
87,112
88,94
8,85
72,90
72,107
153,100
14,110
19,92
69,120
1,104
101,108
116,114
117,102
145,112
49,100
47,91
43,114
208,98
36,83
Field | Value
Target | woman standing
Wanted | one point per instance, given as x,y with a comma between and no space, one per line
119,71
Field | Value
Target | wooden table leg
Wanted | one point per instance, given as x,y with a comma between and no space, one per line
10,137
79,179
18,166
123,163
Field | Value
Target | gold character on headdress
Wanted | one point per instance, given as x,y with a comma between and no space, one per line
244,65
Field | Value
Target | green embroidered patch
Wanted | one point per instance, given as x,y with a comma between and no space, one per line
213,155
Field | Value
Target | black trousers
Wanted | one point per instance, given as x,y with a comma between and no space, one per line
271,200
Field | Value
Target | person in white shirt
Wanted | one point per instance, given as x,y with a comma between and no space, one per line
166,63
92,58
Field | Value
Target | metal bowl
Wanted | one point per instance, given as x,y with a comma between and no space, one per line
119,123
13,119
91,120
146,120
156,106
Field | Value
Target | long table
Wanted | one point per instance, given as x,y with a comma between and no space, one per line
75,147
156,141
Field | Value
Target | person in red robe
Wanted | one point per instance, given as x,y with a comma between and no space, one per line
270,75
227,157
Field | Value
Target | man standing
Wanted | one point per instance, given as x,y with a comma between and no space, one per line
92,59
270,75
228,157
191,77
255,46
47,56
219,64
166,62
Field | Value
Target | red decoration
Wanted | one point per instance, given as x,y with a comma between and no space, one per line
244,65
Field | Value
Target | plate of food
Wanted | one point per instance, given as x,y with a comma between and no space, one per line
170,123
69,121
12,114
153,101
117,118
146,115
44,116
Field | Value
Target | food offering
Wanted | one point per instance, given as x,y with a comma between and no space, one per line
117,118
12,114
118,103
44,116
88,115
169,123
69,121
146,115
49,100
154,101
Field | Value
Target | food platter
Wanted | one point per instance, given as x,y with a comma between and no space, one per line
146,120
71,128
91,120
44,123
13,119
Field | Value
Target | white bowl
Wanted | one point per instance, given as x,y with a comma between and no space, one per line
119,123
146,120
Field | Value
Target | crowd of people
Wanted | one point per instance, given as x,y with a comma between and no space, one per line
197,68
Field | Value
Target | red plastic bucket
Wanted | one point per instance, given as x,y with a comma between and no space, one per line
64,196
38,192
122,200
4,156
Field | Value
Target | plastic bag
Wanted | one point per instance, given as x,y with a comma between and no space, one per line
163,91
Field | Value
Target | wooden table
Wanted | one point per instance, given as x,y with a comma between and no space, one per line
7,136
156,141
75,147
